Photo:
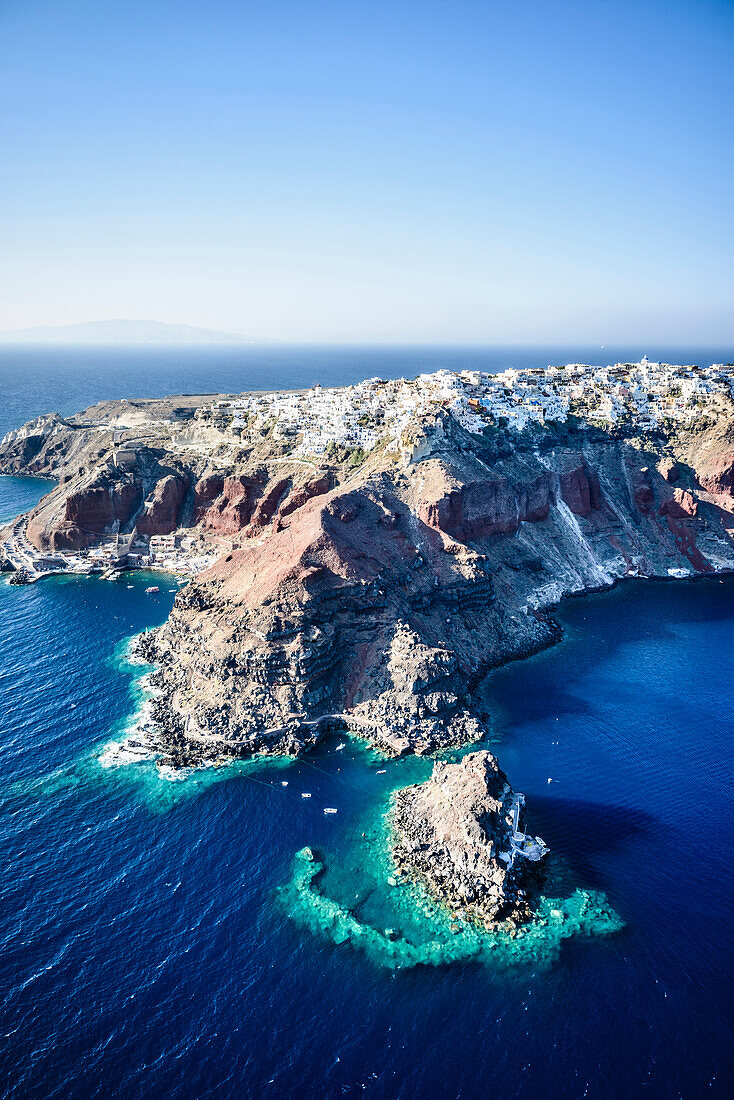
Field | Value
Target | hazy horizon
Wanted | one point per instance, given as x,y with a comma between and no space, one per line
476,173
631,350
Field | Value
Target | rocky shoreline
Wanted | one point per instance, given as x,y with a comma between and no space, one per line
371,597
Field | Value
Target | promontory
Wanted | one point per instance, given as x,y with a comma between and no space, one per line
363,556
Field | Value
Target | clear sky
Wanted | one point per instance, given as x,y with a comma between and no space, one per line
454,172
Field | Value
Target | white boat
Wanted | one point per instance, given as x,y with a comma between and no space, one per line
152,588
305,794
330,810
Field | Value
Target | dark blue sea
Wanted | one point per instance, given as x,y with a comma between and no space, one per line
146,949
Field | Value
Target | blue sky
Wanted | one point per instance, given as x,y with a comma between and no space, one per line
453,172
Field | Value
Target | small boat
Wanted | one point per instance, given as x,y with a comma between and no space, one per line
152,588
381,771
284,782
330,810
305,794
340,747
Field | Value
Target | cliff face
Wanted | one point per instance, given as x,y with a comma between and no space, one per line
379,603
372,599
141,468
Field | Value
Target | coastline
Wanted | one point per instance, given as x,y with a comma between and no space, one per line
374,595
225,750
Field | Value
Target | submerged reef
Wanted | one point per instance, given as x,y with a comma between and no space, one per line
425,933
469,904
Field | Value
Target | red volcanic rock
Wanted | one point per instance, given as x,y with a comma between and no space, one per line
314,488
680,505
96,507
482,508
232,510
642,491
580,489
712,457
718,478
87,515
268,503
317,546
161,514
686,543
207,489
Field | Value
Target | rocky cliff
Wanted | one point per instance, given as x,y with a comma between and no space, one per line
371,598
380,602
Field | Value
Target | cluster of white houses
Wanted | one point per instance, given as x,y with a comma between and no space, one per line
644,394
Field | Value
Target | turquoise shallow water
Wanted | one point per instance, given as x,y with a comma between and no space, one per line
147,948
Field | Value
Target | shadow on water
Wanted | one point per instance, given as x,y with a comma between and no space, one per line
579,832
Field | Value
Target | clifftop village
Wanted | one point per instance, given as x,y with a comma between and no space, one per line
347,423
641,395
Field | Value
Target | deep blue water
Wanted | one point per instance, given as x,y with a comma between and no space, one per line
144,951
17,494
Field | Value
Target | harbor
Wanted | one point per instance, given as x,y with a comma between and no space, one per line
110,560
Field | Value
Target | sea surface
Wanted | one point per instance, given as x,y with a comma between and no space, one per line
150,944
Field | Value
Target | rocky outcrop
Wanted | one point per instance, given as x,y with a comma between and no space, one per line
162,511
579,486
29,449
206,490
231,511
669,468
88,515
710,453
680,505
461,834
642,490
491,506
315,487
268,503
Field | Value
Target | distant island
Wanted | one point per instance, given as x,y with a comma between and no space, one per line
122,331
